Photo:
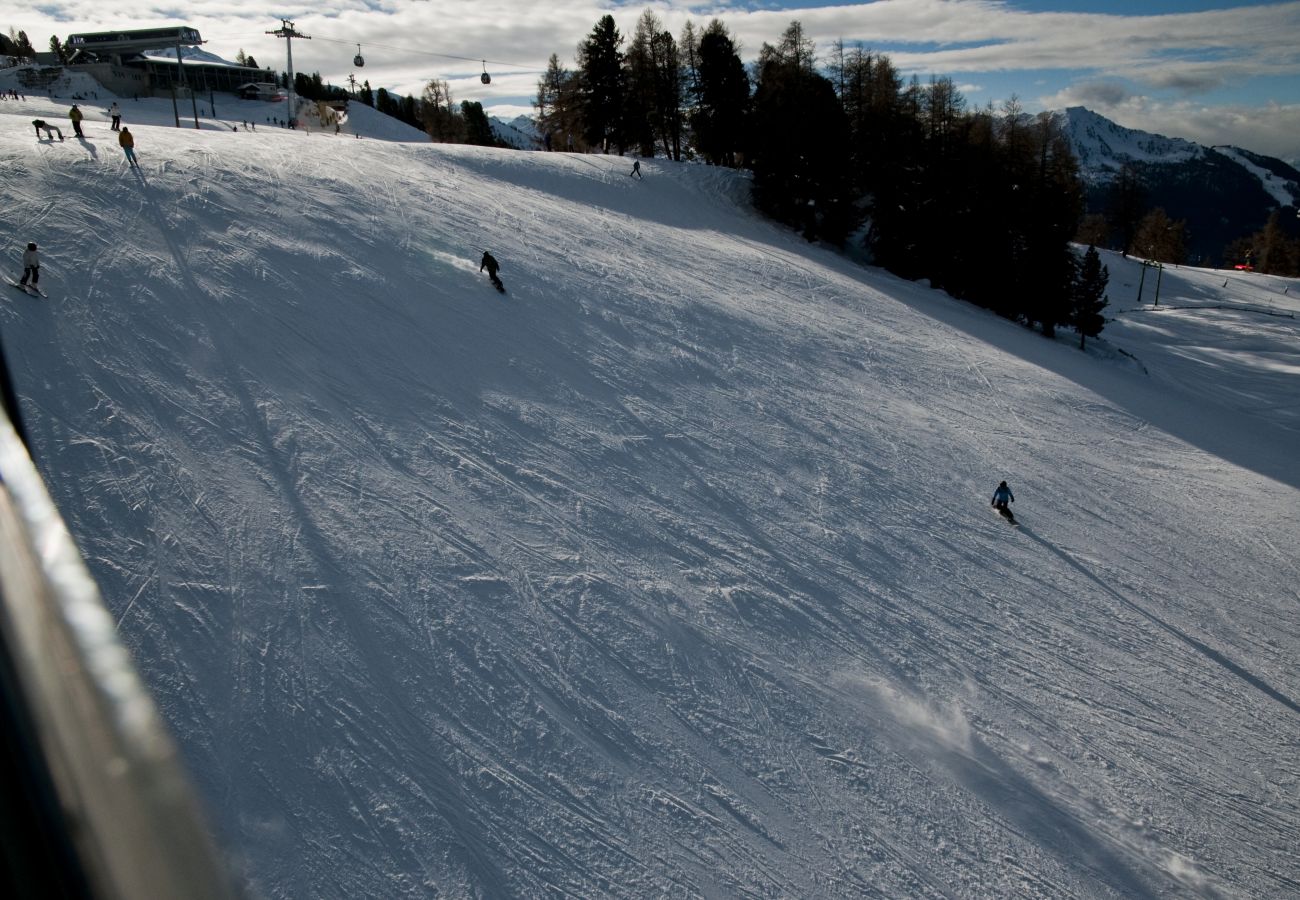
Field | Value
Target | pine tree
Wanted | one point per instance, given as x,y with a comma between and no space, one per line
800,143
1089,297
478,130
57,48
1056,204
1125,203
600,67
553,115
720,120
639,77
439,117
22,46
1277,254
688,49
1161,238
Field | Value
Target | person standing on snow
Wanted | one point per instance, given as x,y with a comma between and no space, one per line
490,263
636,170
1001,497
127,141
116,113
31,266
76,116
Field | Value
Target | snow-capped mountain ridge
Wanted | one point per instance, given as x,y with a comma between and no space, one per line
1103,147
1222,193
1277,178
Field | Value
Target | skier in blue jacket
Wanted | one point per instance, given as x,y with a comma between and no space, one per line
1001,497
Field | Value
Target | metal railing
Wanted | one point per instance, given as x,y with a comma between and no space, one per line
97,802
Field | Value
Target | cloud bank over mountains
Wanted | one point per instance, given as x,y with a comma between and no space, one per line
1213,76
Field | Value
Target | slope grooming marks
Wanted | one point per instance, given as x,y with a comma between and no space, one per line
670,572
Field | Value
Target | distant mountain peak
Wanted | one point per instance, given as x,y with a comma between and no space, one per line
1103,147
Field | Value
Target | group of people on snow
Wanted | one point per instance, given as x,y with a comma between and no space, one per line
125,139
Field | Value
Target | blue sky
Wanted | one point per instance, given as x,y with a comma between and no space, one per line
1213,71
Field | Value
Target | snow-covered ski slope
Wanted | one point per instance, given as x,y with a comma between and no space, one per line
672,572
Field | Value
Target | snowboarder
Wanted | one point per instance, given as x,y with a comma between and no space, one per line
127,140
1001,497
76,116
31,267
50,130
116,113
490,263
636,170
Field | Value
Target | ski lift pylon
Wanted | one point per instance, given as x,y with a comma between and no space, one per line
358,60
485,77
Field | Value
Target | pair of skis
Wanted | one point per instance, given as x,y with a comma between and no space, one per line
29,289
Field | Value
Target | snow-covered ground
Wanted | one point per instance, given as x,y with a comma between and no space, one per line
672,571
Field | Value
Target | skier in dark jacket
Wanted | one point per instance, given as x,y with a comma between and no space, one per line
1001,497
490,263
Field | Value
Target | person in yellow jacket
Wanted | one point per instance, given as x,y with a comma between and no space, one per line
76,116
127,140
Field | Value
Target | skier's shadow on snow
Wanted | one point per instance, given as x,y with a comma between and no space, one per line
1208,652
90,147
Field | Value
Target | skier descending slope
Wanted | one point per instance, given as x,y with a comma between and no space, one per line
31,269
492,265
1001,497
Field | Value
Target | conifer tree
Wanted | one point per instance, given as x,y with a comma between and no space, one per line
1125,204
557,111
600,66
478,130
688,50
720,120
800,142
1089,297
1055,206
1161,238
1277,253
22,46
639,79
868,87
439,117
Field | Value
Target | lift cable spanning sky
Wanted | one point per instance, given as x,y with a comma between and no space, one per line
485,62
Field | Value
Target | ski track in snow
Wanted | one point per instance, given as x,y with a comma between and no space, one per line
669,572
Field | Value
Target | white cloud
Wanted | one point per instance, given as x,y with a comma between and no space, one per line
408,42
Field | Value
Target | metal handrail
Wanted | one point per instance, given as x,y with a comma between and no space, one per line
122,798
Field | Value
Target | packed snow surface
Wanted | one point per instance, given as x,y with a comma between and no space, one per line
672,571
